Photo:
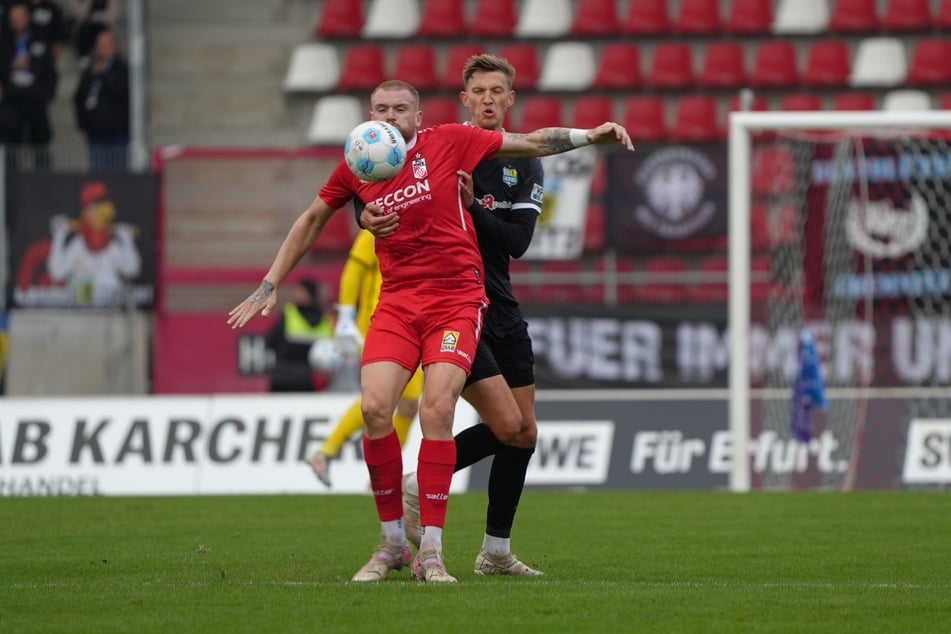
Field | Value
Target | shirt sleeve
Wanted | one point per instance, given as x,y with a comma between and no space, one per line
339,188
479,144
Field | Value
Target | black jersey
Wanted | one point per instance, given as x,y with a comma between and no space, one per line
508,194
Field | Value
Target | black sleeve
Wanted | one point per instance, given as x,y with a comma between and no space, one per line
358,207
513,235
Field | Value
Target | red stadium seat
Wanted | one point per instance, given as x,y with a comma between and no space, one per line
443,18
696,119
590,111
645,118
761,272
666,280
759,227
798,102
931,62
724,65
620,66
698,17
363,68
340,18
943,18
416,64
494,18
907,15
437,110
754,17
596,18
827,64
647,17
671,66
854,101
540,111
456,60
944,101
735,104
712,283
775,64
773,170
563,283
524,57
854,16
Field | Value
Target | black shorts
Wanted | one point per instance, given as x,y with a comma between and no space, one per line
512,358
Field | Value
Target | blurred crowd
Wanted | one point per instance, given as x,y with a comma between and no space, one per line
33,37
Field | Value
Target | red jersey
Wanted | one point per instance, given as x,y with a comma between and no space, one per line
436,239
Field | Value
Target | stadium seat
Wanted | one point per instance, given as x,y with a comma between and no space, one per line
724,65
671,66
645,118
443,18
494,18
773,170
340,18
544,18
698,17
416,64
395,19
666,280
944,101
647,17
854,16
798,102
333,117
943,17
456,59
827,64
540,111
561,282
695,119
595,229
854,101
437,110
931,62
363,68
759,227
759,103
524,57
568,66
595,18
590,111
753,17
313,67
620,67
801,17
775,64
712,279
906,100
761,278
879,61
907,15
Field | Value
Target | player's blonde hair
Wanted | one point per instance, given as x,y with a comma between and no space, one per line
487,63
396,84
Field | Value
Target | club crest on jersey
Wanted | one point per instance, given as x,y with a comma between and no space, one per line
419,167
510,176
538,192
450,339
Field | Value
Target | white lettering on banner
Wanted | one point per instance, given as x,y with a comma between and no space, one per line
921,349
928,452
667,451
571,452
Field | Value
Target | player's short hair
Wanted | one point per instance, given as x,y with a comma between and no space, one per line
396,84
487,63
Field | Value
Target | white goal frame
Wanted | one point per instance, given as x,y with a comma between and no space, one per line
742,127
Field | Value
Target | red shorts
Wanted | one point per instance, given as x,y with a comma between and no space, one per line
422,326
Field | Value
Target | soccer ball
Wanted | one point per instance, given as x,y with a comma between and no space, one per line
375,151
325,356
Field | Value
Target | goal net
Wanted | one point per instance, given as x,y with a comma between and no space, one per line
851,241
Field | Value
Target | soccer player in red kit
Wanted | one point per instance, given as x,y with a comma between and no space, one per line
431,303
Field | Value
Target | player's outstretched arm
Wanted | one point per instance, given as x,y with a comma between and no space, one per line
548,141
300,239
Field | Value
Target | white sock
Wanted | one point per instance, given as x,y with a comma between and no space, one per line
394,533
432,538
497,545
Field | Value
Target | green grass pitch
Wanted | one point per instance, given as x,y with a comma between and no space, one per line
614,562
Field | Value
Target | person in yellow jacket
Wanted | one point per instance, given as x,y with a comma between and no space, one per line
357,298
302,322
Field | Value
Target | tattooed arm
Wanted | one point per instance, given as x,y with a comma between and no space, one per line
547,141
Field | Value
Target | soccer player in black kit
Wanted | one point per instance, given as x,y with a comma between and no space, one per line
506,202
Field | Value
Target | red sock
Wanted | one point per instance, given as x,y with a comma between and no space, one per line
437,461
384,460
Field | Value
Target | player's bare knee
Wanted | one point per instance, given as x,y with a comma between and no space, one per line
376,418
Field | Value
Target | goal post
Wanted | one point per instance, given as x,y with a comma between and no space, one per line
801,285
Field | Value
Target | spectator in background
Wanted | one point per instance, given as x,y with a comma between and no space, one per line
49,25
302,322
87,18
28,80
101,103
